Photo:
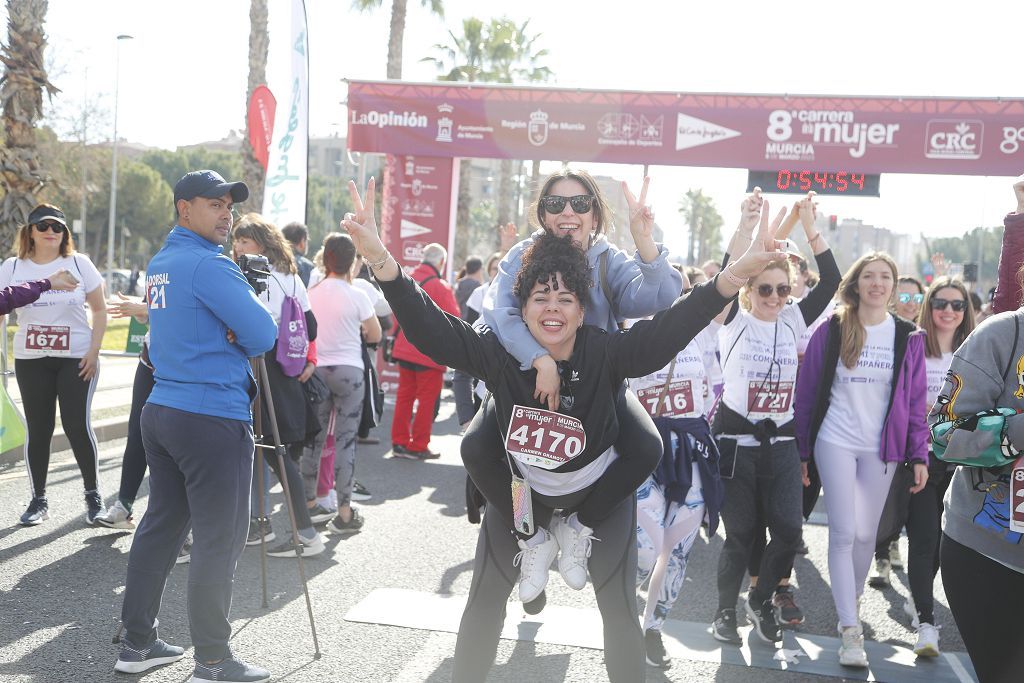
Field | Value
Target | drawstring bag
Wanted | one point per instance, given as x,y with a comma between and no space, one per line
292,336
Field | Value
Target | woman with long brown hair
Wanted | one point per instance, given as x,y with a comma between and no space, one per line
56,354
255,235
860,408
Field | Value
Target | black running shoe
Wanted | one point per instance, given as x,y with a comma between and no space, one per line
260,531
93,506
762,617
359,492
724,627
353,525
229,670
785,601
38,510
656,655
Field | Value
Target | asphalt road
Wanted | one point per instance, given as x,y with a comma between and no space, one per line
61,585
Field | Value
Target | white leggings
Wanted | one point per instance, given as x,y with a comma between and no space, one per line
856,484
665,534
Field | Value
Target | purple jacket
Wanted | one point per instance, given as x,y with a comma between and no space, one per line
905,435
17,296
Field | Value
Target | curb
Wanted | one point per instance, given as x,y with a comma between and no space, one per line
106,430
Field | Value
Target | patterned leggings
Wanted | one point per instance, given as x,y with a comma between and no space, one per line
665,534
346,385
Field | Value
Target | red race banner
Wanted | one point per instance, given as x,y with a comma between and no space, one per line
417,208
262,107
760,132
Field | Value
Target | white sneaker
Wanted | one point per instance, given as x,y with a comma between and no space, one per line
533,563
910,609
927,641
575,551
851,652
116,517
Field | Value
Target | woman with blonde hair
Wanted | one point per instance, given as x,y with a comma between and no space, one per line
753,426
56,354
860,413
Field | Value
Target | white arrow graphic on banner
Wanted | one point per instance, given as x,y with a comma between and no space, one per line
693,132
410,229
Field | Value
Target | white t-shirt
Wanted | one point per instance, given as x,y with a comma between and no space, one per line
801,345
936,369
57,320
340,310
377,300
476,298
860,396
315,276
759,362
280,285
690,389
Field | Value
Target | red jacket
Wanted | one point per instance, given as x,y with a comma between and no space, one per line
1011,256
441,293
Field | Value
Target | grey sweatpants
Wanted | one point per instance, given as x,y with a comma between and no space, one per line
200,467
346,385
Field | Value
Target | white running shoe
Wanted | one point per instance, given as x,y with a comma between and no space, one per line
927,641
533,563
851,652
575,547
116,517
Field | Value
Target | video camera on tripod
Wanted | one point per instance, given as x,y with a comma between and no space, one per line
256,269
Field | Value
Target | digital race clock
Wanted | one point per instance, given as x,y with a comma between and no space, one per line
802,181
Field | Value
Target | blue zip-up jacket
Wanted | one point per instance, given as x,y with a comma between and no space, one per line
195,295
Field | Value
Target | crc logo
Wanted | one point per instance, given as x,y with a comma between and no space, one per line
954,139
1013,138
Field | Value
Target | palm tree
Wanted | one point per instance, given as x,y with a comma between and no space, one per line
397,33
499,51
514,58
259,44
21,91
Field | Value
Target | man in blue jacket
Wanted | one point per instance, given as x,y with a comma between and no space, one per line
205,322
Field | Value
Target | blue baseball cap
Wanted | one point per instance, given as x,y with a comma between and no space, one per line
208,184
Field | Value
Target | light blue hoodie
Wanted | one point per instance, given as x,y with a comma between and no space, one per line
640,289
195,295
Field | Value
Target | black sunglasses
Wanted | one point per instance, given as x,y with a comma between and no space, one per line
766,290
940,304
46,226
554,203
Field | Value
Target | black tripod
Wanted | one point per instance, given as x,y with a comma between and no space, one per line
259,369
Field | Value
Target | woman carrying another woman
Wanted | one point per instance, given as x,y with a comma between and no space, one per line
56,354
861,402
554,459
254,235
570,204
754,427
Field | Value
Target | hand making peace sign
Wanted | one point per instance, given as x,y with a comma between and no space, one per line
362,228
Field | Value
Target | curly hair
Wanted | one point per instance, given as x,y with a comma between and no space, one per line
275,247
547,256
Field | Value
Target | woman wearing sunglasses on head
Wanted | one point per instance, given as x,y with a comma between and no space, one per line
570,204
860,408
554,459
754,424
56,354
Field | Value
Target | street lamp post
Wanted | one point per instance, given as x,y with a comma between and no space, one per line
113,163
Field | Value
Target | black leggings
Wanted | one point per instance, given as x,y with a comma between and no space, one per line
639,448
133,463
986,599
612,569
44,383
